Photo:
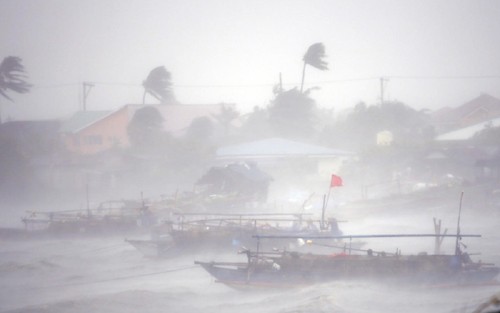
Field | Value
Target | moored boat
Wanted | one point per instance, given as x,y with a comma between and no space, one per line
229,232
291,269
114,216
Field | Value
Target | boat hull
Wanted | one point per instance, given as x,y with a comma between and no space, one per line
298,270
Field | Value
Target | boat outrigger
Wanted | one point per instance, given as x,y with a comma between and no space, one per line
290,269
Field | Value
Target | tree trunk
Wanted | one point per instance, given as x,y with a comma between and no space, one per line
303,76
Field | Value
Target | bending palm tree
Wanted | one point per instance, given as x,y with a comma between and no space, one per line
12,77
314,57
158,84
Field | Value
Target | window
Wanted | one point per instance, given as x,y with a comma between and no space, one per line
93,140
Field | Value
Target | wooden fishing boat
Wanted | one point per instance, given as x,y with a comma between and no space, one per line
229,232
291,269
109,217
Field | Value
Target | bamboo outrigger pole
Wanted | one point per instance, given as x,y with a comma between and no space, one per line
439,240
305,236
457,242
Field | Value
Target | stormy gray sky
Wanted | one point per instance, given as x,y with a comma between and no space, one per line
437,53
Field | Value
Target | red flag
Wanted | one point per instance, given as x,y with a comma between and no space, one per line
336,181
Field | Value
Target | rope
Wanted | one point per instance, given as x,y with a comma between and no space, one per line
127,277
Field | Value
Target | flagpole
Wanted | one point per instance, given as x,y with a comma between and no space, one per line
336,181
327,199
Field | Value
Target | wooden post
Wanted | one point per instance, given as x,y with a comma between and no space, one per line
439,238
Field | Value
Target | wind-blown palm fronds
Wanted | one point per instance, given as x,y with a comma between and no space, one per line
314,57
158,84
12,76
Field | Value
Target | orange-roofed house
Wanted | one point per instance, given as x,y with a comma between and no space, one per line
479,109
90,132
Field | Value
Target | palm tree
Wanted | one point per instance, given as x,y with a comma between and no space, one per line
226,115
314,57
12,77
159,85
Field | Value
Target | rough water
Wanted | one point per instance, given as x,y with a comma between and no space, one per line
108,275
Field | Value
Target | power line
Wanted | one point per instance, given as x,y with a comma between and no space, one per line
335,81
90,82
55,85
446,77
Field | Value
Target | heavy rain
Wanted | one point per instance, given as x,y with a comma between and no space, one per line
249,156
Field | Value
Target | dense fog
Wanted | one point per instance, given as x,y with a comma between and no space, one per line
228,156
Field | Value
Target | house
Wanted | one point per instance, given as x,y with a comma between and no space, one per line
474,162
299,170
480,109
385,138
90,132
291,163
467,133
272,148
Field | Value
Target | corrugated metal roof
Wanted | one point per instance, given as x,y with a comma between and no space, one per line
83,119
468,132
277,147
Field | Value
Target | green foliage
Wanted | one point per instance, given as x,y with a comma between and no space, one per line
200,130
226,116
196,147
17,175
293,114
256,125
359,130
314,57
488,137
12,77
145,129
159,85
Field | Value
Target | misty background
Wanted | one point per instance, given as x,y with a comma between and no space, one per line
400,100
434,53
385,80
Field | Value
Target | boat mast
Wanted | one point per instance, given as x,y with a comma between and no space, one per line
325,201
457,242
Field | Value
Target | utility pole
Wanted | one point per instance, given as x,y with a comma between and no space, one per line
281,84
86,89
382,81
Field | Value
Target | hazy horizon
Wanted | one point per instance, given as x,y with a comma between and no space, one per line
435,53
